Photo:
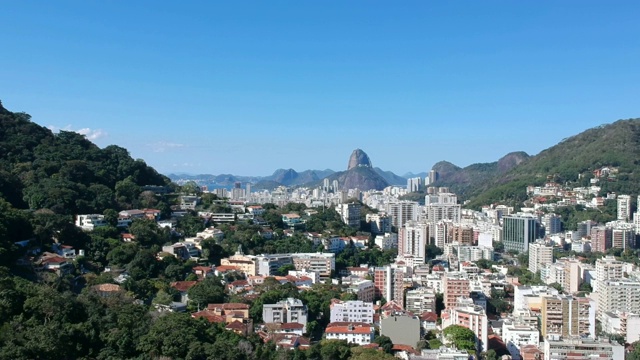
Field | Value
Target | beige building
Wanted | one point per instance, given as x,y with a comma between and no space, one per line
567,316
540,254
246,264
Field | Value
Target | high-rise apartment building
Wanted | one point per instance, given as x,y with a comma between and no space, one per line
621,295
462,234
624,207
420,300
568,316
600,239
518,232
413,239
623,236
455,285
442,206
540,254
607,268
552,224
414,184
350,214
388,283
379,223
401,212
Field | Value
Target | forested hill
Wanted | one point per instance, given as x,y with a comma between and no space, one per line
573,161
65,172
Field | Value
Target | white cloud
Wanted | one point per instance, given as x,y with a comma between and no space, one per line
91,134
162,146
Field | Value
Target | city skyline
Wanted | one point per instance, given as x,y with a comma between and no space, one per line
249,88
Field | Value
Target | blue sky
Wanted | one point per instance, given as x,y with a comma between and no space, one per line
247,87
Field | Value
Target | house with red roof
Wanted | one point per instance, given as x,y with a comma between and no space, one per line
353,333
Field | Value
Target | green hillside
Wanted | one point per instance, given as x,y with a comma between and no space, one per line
572,161
65,172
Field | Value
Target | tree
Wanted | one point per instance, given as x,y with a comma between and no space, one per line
284,269
556,286
586,287
361,353
385,343
460,337
335,350
208,291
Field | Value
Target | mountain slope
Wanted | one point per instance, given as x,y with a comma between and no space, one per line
363,178
65,172
469,180
573,160
390,177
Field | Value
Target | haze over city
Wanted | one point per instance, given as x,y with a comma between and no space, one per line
246,88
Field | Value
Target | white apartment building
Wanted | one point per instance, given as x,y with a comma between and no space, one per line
286,311
516,336
557,348
351,311
413,239
540,255
420,300
472,253
322,263
624,207
380,223
401,212
350,214
625,324
621,295
442,206
608,268
526,297
387,241
553,273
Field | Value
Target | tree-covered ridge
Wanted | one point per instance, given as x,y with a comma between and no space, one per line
65,172
572,160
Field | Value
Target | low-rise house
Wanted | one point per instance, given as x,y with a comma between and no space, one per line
353,333
183,287
88,222
211,233
66,251
429,321
234,315
266,233
107,290
255,209
203,271
292,220
238,286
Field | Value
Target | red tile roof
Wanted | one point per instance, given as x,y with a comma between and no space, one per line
348,330
183,286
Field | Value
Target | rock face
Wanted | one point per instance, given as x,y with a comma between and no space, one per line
360,174
359,158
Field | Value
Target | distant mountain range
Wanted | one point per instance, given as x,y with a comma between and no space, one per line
572,161
360,174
